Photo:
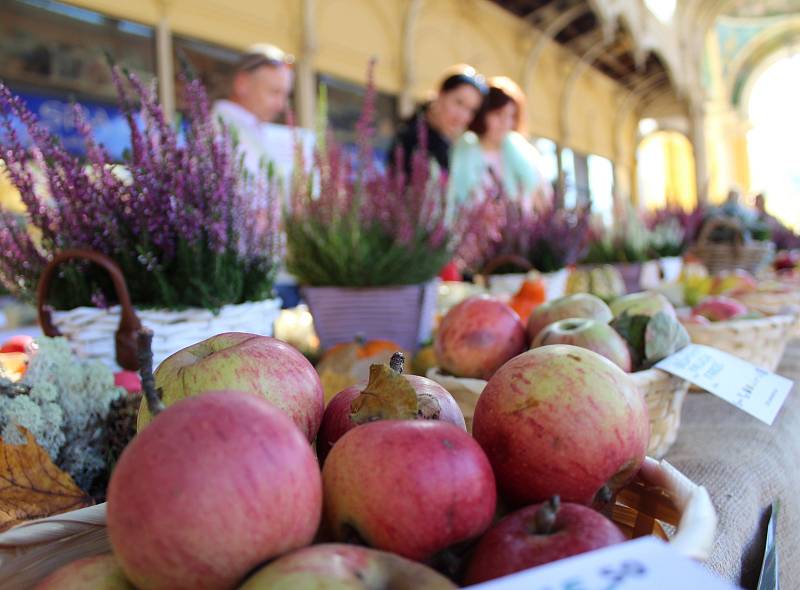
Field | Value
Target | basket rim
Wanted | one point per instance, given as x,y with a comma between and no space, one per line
785,319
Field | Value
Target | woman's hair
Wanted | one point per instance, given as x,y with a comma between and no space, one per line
461,74
502,90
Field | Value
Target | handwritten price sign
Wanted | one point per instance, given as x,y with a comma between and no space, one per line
750,388
643,564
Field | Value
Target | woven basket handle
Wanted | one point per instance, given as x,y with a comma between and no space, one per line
129,324
724,222
499,261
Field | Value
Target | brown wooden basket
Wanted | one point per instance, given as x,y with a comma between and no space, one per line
664,394
759,341
660,501
719,256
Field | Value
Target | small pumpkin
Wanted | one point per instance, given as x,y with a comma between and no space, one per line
348,363
605,281
531,294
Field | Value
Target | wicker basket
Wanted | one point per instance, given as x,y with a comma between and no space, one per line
664,394
109,335
759,341
661,495
719,256
775,303
661,501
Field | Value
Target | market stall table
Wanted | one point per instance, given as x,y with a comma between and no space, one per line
746,465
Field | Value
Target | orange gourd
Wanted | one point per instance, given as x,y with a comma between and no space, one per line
530,295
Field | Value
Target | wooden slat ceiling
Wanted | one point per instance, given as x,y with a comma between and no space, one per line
583,32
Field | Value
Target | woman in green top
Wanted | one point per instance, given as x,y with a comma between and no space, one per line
494,156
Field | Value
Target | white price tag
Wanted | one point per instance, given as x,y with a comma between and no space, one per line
752,389
646,563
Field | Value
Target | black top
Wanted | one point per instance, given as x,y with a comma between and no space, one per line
407,139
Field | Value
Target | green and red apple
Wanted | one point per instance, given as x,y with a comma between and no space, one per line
561,420
335,566
579,305
646,303
237,361
589,334
99,572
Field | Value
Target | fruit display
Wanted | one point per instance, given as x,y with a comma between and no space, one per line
222,489
477,336
605,281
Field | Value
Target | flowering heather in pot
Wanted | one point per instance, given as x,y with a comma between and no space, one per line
350,224
674,229
549,238
187,226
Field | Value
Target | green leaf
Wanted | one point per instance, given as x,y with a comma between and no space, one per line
632,328
664,336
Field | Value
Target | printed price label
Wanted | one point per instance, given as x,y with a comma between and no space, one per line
643,564
752,389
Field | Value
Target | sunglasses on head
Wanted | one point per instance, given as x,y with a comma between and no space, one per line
253,61
467,76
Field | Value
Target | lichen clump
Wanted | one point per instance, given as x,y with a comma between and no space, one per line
65,408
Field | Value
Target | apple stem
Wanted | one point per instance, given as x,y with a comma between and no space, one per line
545,516
144,352
397,362
604,495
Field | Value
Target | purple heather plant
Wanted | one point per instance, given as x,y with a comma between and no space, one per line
186,224
351,224
550,238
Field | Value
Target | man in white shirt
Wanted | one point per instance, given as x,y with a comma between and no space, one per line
259,93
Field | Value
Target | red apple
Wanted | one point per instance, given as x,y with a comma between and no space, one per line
128,380
537,535
244,362
579,305
719,308
412,487
477,336
433,402
561,420
345,567
19,343
590,334
99,572
217,484
646,303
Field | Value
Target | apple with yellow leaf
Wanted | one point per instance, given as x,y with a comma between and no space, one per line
389,395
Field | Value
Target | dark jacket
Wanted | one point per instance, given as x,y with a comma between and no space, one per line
407,139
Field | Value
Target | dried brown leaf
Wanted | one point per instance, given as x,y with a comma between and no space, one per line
31,486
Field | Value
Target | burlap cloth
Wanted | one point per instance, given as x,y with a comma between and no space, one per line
745,465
